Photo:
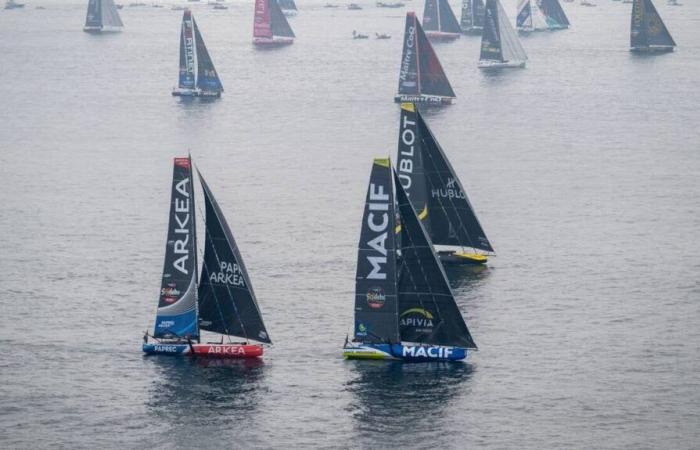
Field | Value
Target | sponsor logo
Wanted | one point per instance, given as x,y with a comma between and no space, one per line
189,45
167,348
426,352
170,291
376,297
451,190
181,210
166,323
361,329
378,222
226,350
407,151
408,47
418,318
229,273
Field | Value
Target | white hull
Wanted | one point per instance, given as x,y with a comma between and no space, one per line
489,64
276,40
104,29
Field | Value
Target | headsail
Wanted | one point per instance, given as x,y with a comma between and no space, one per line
530,17
186,78
648,30
279,24
177,305
428,312
110,15
421,71
227,303
554,13
207,78
376,305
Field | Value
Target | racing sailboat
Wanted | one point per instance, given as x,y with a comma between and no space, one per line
500,46
197,76
102,16
439,22
649,33
222,302
270,26
404,307
472,21
530,17
421,77
554,14
288,7
437,194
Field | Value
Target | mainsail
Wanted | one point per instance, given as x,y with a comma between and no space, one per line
186,78
177,305
554,14
472,14
428,312
648,30
433,187
376,305
227,303
438,16
421,71
288,5
102,14
499,40
207,78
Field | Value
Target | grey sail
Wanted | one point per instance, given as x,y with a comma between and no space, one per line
428,312
110,15
511,48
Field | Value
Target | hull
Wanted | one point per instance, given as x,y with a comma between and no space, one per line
423,99
473,30
404,352
653,49
462,258
206,350
488,64
97,30
272,42
178,92
442,36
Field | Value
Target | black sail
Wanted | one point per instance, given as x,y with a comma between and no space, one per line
376,306
227,303
647,27
207,78
428,312
94,14
450,214
491,37
278,22
432,78
553,11
448,21
408,74
409,163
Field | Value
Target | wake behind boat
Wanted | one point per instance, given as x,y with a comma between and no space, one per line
223,302
102,16
270,26
197,75
500,45
404,307
437,194
421,77
648,32
439,22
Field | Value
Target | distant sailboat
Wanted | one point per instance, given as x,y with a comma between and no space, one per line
102,16
649,33
439,22
500,46
222,302
288,7
436,193
554,14
404,307
197,76
530,17
472,16
270,27
421,77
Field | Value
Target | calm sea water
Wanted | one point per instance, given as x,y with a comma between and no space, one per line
584,169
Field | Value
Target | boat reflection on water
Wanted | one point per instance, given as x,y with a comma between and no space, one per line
388,397
466,275
215,396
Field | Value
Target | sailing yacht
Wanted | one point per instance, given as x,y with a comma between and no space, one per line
404,306
270,26
648,32
472,20
530,17
102,16
439,22
500,45
222,302
197,75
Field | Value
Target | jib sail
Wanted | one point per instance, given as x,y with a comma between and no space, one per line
110,15
428,312
376,305
186,78
177,305
279,24
409,163
288,5
227,303
207,78
647,27
491,36
554,13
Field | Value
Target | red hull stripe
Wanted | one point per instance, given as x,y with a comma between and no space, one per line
228,350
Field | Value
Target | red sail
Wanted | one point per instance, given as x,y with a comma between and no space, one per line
261,23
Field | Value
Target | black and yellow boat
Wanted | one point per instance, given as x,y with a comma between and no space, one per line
437,194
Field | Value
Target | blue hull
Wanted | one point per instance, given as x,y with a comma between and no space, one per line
404,352
166,349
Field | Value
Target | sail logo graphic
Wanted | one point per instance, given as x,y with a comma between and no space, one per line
376,297
361,329
407,152
418,318
378,202
426,352
229,273
450,191
189,46
654,25
408,56
637,16
170,293
182,227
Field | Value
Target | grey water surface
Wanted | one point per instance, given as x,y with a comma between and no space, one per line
584,169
